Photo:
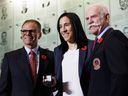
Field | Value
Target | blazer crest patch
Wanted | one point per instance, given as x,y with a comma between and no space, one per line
96,63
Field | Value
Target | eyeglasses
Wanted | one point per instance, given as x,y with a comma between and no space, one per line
30,31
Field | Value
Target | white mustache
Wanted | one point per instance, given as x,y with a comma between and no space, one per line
93,25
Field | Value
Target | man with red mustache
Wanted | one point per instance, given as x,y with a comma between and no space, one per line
109,60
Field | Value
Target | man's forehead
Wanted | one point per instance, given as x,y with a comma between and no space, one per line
92,12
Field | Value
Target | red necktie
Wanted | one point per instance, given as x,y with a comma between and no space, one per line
32,61
94,43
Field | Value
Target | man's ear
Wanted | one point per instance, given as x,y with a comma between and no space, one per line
107,17
39,35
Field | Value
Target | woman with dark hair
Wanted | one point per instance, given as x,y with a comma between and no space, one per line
71,56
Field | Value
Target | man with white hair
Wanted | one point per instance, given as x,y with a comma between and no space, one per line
109,59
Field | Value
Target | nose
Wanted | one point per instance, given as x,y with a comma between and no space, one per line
89,20
28,32
62,29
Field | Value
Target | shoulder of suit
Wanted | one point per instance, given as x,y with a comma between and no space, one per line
118,34
45,50
58,47
14,52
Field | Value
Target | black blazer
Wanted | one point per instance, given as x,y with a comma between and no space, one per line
109,66
15,77
58,56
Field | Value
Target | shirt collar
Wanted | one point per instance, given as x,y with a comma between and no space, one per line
101,34
34,49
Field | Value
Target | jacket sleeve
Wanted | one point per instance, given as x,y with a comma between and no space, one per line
5,80
116,51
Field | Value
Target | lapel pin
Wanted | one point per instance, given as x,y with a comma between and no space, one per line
100,40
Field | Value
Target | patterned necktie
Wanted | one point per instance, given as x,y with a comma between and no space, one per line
32,61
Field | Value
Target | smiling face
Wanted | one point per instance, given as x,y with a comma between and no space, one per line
96,20
66,30
30,34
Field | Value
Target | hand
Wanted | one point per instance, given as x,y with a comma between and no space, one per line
66,88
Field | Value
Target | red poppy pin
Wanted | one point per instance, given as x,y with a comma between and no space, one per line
44,57
84,48
100,40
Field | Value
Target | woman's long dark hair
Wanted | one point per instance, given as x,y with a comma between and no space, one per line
78,31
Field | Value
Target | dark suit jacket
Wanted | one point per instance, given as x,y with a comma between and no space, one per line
15,77
109,66
58,55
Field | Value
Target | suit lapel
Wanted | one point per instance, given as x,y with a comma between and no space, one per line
24,64
82,58
99,44
58,60
43,62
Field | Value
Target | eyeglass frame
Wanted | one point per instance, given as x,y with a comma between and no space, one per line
30,31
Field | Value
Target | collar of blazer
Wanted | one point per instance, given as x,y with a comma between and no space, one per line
59,58
43,54
82,58
101,40
43,59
